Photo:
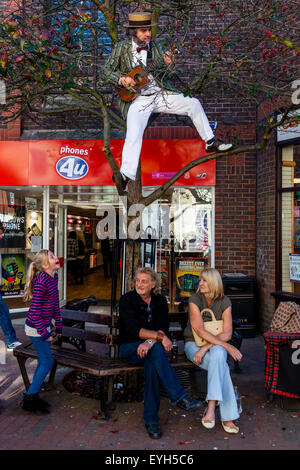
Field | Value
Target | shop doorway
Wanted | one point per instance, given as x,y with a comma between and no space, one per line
87,259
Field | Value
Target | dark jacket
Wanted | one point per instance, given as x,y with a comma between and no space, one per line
133,316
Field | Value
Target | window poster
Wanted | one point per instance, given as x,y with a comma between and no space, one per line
294,267
164,273
13,222
13,275
187,275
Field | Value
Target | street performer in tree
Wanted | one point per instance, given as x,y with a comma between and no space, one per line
138,100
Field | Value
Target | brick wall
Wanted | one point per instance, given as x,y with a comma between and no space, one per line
266,234
235,212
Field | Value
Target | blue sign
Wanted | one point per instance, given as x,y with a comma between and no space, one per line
72,168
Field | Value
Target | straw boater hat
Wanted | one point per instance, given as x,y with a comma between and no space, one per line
139,20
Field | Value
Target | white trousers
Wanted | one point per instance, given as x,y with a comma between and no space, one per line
138,116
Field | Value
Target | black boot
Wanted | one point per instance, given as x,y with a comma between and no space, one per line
32,403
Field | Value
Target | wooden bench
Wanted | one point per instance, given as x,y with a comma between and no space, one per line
101,366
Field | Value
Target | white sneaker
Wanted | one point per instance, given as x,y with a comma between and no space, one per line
13,345
214,146
224,147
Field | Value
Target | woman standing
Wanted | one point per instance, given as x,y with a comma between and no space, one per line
213,355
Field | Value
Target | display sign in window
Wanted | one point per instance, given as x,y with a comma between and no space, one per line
294,267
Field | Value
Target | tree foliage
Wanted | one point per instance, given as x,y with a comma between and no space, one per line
54,51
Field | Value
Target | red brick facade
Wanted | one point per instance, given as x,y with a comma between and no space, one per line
266,234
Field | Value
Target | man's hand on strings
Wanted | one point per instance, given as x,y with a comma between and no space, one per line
127,82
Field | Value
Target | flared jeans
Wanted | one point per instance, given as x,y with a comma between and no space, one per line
219,384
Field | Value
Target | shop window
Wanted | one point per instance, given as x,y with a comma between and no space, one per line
21,223
182,224
290,219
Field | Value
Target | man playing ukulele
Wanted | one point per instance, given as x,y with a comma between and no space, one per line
157,96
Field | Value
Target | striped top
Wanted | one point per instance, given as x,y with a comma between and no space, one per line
44,305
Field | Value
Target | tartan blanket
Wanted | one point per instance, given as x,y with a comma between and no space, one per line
282,376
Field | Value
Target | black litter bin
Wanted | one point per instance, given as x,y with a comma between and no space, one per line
241,291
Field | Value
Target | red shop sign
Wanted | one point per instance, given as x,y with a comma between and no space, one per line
69,162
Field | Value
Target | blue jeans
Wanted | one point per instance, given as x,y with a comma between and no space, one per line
45,363
156,369
5,323
219,384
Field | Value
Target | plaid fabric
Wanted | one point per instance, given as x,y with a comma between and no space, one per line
72,248
273,341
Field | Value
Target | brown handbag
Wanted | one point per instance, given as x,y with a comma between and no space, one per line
215,327
286,318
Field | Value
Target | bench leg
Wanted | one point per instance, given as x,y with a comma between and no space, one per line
103,414
110,404
21,362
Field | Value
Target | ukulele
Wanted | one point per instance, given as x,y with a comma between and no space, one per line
140,74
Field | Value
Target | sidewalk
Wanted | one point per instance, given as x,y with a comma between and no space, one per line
72,424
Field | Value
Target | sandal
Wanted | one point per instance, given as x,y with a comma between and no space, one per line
230,429
208,423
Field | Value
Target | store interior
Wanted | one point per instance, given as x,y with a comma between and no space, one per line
92,273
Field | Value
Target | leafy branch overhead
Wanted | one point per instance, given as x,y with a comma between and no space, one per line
53,53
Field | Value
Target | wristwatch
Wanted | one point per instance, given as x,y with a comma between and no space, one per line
150,342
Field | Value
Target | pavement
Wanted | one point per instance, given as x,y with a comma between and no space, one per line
73,425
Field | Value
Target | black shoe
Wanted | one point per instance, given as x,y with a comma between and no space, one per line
32,403
124,181
43,403
189,404
214,146
153,431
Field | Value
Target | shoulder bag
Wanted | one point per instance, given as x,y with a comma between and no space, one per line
215,327
286,318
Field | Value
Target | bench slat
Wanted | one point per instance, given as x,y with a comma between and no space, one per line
87,335
91,363
98,318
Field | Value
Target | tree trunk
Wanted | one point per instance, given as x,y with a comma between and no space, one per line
133,252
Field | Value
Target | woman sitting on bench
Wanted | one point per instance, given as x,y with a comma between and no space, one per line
212,356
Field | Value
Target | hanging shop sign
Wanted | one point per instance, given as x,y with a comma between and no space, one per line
61,162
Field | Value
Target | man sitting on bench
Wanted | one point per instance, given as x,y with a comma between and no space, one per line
143,328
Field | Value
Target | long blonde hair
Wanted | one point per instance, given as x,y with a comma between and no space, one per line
214,283
36,267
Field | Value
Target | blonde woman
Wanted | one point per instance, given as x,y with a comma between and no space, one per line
41,289
213,355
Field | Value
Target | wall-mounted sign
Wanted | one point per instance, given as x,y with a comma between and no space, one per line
57,162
